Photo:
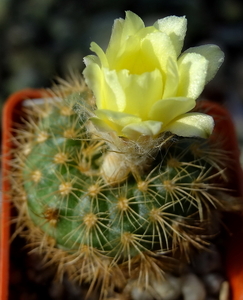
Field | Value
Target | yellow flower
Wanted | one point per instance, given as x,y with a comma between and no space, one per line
143,85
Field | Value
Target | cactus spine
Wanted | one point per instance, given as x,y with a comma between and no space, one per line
106,210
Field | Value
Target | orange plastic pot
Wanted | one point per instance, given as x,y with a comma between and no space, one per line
9,117
223,125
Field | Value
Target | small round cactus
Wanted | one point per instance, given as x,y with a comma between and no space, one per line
104,209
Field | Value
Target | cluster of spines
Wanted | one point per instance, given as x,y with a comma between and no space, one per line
96,230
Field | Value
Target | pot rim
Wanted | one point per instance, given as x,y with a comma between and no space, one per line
5,211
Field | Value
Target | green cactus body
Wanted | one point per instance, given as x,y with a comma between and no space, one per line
106,226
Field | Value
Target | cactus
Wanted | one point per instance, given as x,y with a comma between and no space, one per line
106,210
115,181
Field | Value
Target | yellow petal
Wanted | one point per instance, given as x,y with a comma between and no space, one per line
192,125
114,97
213,55
121,31
126,56
192,72
105,125
113,117
100,53
166,110
133,23
171,80
134,54
115,40
94,78
141,91
90,59
112,121
175,28
135,130
159,45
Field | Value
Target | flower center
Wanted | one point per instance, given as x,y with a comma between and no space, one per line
136,62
